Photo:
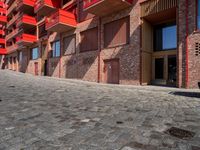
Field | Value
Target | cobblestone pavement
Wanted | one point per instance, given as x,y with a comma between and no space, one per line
57,114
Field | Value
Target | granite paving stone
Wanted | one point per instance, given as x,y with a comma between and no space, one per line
46,113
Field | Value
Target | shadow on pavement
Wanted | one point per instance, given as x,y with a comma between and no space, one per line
187,94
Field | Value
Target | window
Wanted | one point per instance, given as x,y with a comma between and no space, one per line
69,45
34,53
165,37
20,56
56,49
89,40
198,14
116,32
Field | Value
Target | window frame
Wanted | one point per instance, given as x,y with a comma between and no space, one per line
83,51
197,12
52,53
127,32
38,55
162,26
20,56
74,36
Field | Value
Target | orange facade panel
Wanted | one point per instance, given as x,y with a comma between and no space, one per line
2,32
2,4
105,7
3,51
26,20
3,19
2,41
61,21
26,39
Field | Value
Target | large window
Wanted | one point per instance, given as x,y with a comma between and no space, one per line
69,45
198,14
89,40
116,32
165,37
56,49
35,53
20,56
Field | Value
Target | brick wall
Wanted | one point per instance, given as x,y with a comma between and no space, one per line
85,65
193,37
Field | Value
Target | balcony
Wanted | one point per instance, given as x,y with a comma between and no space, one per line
2,5
61,21
159,10
3,18
105,7
25,5
26,39
26,21
13,34
2,32
12,21
3,51
11,8
44,7
9,2
2,41
11,48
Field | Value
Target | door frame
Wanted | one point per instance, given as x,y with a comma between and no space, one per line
104,71
164,55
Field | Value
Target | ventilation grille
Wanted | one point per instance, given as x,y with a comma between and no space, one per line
197,49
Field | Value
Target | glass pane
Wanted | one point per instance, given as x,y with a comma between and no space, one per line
20,56
57,48
198,15
158,39
159,68
198,22
35,53
169,37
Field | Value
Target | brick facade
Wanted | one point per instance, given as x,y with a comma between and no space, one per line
90,65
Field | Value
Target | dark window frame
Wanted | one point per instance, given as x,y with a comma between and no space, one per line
83,51
127,34
197,15
53,55
162,26
63,53
38,55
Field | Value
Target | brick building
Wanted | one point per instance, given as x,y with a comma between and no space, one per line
135,42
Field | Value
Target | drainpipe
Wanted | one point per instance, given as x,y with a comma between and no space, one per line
60,55
99,55
186,47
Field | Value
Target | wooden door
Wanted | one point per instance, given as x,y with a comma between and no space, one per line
36,69
112,71
15,63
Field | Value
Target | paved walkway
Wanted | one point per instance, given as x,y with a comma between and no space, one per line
57,114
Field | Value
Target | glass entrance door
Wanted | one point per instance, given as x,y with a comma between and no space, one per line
172,70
